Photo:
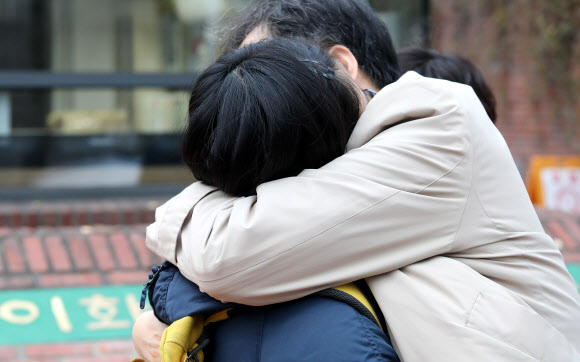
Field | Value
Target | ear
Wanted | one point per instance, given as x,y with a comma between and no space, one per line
345,57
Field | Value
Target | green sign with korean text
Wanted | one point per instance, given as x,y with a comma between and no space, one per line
76,314
72,314
574,269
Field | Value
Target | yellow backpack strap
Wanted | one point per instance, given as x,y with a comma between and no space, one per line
352,295
181,340
217,317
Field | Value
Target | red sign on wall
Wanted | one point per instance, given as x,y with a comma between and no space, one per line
561,188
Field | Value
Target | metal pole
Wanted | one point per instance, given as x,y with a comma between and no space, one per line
5,114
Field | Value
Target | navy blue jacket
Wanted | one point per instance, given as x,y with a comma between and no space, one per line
314,328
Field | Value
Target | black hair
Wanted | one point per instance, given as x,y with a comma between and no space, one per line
267,111
352,23
433,64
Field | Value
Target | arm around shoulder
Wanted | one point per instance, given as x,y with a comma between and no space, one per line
394,200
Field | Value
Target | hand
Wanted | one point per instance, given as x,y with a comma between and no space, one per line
147,332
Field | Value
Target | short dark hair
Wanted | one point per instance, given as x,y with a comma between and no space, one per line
267,111
433,64
352,23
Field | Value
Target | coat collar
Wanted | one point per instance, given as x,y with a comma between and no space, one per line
411,97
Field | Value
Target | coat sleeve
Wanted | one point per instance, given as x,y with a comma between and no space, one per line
393,201
173,297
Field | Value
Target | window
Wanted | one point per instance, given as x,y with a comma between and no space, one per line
93,94
408,21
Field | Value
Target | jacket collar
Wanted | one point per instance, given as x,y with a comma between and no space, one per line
411,97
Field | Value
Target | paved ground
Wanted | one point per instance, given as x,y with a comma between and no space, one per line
44,249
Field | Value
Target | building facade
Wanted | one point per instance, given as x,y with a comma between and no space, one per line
93,94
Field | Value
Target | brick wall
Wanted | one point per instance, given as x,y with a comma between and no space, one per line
36,214
535,117
95,255
74,256
70,257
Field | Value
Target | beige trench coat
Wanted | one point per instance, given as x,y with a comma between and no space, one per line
427,205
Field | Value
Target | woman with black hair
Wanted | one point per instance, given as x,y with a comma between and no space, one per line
267,111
